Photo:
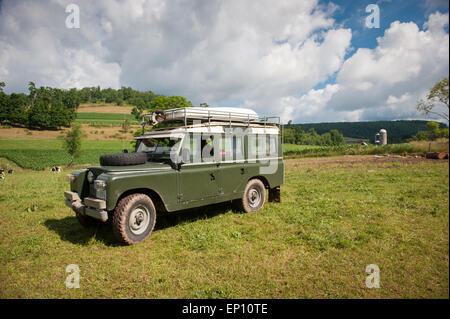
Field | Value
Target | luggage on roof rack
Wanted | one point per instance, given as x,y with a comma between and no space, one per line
227,115
204,114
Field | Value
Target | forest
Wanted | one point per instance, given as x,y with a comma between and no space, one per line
398,131
52,108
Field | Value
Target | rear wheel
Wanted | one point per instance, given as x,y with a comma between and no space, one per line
134,219
253,198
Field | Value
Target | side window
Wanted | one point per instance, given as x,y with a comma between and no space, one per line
238,147
273,145
192,143
226,148
262,145
208,144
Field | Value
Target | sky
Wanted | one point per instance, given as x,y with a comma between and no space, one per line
306,61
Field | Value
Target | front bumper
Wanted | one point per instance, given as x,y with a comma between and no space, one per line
93,207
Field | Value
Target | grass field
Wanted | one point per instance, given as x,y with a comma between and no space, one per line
337,215
418,148
38,154
109,118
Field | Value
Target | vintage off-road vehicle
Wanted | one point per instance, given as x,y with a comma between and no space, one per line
202,156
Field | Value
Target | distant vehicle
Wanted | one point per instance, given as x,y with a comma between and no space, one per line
206,156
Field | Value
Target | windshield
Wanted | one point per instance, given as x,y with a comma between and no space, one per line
158,145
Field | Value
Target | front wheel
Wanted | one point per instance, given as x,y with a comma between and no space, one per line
254,196
134,219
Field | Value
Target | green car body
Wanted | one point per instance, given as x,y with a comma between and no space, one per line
175,183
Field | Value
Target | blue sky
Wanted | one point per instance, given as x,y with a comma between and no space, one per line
352,14
307,61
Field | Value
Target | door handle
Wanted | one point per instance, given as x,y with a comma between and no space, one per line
212,176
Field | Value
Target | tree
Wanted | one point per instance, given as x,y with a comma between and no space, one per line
437,102
171,102
72,142
433,130
125,125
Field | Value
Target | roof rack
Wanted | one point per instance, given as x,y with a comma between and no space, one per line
190,114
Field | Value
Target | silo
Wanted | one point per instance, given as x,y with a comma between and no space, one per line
377,138
383,136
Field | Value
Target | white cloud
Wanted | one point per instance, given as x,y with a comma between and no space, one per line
214,51
263,54
386,82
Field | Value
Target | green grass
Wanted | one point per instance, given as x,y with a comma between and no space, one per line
351,149
104,118
334,220
38,154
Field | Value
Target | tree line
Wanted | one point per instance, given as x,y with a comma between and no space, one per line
294,134
43,108
433,132
51,108
398,131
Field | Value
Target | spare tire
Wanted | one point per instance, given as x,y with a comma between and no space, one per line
122,159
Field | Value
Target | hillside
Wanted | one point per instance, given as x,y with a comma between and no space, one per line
398,131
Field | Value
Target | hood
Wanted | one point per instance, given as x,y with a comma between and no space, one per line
149,166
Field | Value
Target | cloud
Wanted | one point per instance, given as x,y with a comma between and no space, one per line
263,54
386,82
213,51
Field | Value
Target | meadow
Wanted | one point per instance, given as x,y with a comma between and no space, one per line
337,215
38,154
104,118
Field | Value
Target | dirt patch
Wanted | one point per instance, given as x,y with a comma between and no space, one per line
108,108
357,159
92,133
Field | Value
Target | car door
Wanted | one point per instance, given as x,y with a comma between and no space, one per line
232,169
198,178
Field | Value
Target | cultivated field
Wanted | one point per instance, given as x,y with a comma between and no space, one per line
337,215
105,108
39,154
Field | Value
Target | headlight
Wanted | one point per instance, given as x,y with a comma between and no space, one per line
100,189
90,177
70,178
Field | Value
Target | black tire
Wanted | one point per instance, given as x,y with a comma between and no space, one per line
253,198
87,221
123,159
127,225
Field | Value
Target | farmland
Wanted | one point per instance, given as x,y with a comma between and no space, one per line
38,154
337,215
110,118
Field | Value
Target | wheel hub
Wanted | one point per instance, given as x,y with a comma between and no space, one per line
254,197
139,220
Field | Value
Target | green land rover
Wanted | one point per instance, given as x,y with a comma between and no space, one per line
200,156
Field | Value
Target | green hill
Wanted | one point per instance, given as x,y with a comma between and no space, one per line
397,131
